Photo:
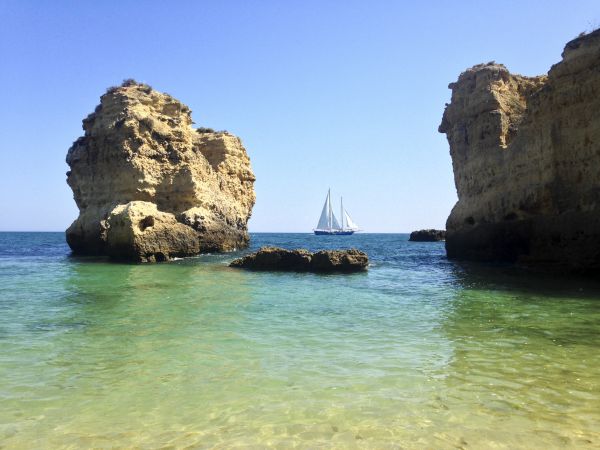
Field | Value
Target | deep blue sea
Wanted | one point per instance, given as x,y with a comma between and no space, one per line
417,352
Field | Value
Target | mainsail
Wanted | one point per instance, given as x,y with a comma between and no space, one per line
349,222
328,221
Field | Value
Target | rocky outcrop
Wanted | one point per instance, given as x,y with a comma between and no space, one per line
429,235
526,158
274,258
150,187
351,260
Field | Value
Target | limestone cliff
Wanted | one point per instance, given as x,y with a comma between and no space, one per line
526,159
150,187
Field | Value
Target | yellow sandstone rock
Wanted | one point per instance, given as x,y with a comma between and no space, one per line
526,159
150,187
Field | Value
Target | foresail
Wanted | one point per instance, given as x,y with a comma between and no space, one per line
334,222
324,219
349,222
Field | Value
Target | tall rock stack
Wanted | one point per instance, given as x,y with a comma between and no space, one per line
150,187
526,159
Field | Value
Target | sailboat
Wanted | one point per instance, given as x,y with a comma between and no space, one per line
328,223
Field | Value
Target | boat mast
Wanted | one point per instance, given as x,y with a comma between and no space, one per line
342,211
330,209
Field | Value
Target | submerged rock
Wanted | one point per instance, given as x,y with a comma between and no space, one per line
274,258
150,187
526,159
429,235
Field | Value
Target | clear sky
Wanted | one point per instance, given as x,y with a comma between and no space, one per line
341,94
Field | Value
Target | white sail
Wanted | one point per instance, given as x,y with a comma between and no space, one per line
333,222
335,225
349,222
324,219
329,224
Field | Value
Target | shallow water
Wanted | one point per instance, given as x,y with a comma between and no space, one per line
418,352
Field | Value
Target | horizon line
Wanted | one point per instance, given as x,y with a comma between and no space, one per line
251,232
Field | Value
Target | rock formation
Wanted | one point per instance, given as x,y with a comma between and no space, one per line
429,235
274,258
526,159
150,187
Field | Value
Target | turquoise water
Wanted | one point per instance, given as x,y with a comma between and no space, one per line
418,352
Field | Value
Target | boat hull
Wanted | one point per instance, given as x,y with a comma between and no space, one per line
333,232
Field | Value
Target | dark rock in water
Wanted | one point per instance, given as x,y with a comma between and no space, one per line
274,258
339,260
430,235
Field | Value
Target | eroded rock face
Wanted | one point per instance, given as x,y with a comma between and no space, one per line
526,159
429,235
149,186
300,260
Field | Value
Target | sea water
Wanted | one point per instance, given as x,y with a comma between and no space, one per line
417,352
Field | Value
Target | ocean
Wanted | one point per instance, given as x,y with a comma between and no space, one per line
417,352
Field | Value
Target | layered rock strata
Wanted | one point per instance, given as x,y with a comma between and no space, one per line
526,158
300,260
150,187
429,235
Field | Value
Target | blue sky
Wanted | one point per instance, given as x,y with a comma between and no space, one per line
340,94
